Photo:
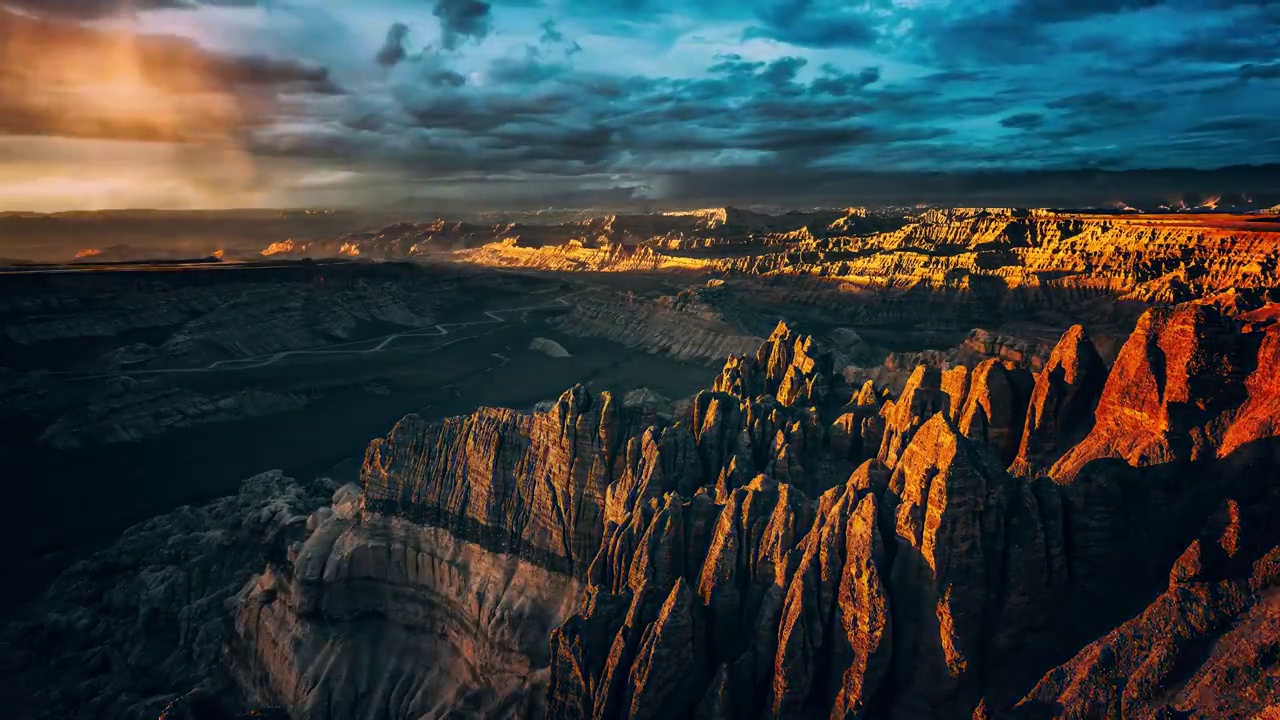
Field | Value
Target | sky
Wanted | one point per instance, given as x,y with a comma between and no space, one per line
613,103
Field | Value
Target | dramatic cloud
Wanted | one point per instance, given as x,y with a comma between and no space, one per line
550,102
1053,11
392,51
552,36
1023,121
1260,71
63,79
104,8
460,20
818,23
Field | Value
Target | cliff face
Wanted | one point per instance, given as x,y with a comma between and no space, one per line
376,617
1202,648
789,546
1157,258
674,326
527,485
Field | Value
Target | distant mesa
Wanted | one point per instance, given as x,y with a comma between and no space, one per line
281,248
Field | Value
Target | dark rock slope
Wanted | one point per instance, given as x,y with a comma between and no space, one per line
126,631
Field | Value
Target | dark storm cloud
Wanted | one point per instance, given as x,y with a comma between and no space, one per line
1072,188
1053,11
1260,71
1023,121
1105,105
783,70
1117,35
835,82
260,70
817,23
842,93
529,70
461,20
392,50
552,36
804,23
733,64
530,117
751,124
1229,124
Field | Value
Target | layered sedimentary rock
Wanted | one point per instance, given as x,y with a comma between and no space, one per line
792,547
575,256
373,616
975,254
527,485
668,325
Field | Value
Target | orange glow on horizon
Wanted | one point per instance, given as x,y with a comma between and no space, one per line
177,124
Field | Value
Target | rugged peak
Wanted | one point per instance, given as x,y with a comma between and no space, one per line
921,399
1060,413
782,331
1172,391
795,368
971,548
1075,354
867,396
663,677
996,406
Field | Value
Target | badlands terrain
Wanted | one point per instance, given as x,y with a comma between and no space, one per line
933,463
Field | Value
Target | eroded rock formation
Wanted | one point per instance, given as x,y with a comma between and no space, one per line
715,565
986,543
669,325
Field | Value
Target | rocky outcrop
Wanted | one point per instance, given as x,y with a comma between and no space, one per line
1180,383
921,399
835,635
549,347
976,562
532,486
128,410
373,616
995,406
789,366
142,622
1061,410
683,330
1205,647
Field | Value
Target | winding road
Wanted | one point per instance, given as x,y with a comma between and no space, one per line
383,343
